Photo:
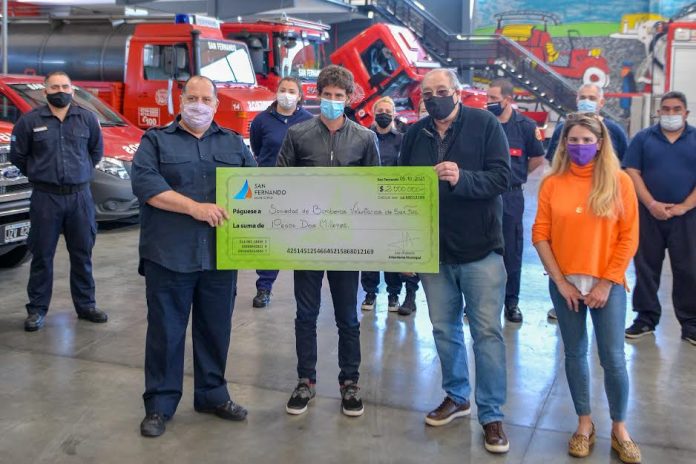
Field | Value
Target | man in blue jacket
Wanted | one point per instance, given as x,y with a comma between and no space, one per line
469,151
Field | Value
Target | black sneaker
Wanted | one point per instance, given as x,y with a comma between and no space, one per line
34,322
638,330
368,303
409,304
393,305
304,393
513,314
351,403
93,315
262,298
689,336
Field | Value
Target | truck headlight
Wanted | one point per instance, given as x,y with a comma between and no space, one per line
114,167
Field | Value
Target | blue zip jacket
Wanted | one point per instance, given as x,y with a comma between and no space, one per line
268,130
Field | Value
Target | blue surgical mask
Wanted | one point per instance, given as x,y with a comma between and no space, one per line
587,106
332,109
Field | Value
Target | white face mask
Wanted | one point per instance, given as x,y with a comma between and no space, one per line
287,101
671,123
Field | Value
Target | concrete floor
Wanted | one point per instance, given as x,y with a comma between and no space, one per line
71,393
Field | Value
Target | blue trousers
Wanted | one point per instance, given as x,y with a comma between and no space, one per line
73,216
482,284
608,323
344,294
513,234
170,298
266,280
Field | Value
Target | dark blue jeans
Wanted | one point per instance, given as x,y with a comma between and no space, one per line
73,216
170,298
370,282
344,291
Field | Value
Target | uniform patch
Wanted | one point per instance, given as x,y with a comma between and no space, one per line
516,152
40,129
537,134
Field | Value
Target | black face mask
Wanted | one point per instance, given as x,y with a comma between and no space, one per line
383,120
495,108
59,99
440,107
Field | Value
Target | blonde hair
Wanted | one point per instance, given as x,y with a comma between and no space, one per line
605,197
384,100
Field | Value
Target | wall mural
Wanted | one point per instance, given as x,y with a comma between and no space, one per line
613,43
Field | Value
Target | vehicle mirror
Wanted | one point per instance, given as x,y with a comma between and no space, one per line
180,58
254,43
150,57
169,64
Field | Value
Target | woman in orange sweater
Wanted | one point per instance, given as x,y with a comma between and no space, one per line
586,232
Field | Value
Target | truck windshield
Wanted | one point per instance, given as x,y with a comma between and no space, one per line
299,57
225,61
33,94
399,89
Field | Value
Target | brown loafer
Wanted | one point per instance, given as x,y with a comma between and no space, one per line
447,412
495,439
628,451
579,445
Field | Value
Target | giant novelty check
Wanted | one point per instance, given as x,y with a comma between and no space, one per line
348,218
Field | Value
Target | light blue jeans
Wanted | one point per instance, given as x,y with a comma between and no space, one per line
608,325
483,285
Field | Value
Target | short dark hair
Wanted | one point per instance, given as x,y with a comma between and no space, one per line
674,94
197,77
298,83
337,76
505,86
56,73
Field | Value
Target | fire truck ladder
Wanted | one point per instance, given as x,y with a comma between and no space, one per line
481,53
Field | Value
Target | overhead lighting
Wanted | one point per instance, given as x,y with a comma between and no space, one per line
370,14
419,5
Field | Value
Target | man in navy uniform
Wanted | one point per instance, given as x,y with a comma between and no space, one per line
174,179
526,155
57,146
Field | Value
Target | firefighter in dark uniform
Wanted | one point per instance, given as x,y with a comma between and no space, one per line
174,178
526,155
57,146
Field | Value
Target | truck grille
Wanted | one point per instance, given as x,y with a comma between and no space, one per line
11,180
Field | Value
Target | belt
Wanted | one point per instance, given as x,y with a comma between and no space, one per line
515,187
59,189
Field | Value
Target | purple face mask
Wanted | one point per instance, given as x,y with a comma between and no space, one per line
581,154
197,115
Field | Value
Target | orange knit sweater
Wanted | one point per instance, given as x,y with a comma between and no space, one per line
583,243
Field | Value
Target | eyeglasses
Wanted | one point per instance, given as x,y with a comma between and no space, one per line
427,94
578,116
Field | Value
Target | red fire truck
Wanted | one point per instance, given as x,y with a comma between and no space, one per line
138,64
284,47
388,60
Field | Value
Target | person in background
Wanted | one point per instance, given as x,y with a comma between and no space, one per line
331,140
173,177
590,99
57,146
586,232
389,140
267,132
661,160
468,150
526,155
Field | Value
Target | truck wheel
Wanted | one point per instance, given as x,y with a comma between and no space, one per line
596,76
15,257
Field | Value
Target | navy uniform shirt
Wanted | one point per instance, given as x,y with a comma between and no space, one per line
389,146
54,152
668,169
169,158
524,140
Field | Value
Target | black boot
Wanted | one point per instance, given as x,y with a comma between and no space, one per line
409,304
262,299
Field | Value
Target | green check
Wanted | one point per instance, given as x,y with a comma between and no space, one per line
350,218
